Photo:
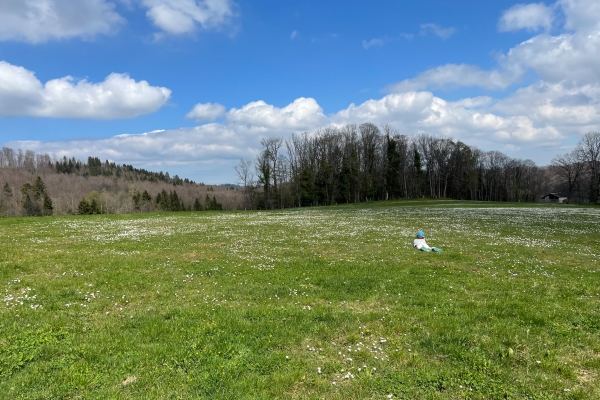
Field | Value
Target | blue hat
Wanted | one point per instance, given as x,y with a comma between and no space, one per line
420,234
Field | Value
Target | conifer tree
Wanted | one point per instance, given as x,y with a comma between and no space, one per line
83,207
7,191
47,206
197,205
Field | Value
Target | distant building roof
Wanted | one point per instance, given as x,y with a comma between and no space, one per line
555,196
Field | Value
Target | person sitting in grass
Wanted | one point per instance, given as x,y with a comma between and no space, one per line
420,244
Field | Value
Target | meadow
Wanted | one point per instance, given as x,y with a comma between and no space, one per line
328,302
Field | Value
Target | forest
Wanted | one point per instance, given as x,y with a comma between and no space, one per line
37,185
354,163
334,165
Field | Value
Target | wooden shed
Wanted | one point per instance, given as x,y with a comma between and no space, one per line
555,198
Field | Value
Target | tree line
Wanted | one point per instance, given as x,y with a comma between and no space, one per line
351,163
579,170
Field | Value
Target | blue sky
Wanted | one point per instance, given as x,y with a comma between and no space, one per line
191,86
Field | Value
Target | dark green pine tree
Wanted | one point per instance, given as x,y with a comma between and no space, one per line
83,207
163,200
47,205
94,208
344,180
392,173
136,197
418,172
307,188
175,202
30,206
216,205
197,205
7,191
146,197
39,188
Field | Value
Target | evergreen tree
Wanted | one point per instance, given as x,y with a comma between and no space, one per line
392,178
30,206
215,205
307,188
163,200
5,199
176,204
47,206
418,172
344,180
94,208
197,205
34,197
40,188
7,191
136,197
146,196
83,207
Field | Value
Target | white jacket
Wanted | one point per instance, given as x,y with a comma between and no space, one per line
420,243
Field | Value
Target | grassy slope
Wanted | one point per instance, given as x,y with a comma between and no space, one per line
255,304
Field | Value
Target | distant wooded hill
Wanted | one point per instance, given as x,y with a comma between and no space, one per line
37,184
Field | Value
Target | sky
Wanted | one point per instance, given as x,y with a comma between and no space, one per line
190,87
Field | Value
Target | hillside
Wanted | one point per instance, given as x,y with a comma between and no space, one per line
114,188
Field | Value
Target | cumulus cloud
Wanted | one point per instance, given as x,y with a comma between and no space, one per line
526,16
451,76
567,57
469,120
206,112
563,58
302,114
37,21
566,107
184,16
423,112
580,14
118,96
444,33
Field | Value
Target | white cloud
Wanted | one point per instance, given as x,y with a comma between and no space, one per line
444,33
450,76
526,16
118,96
567,58
580,14
37,21
422,111
206,112
302,114
293,35
374,42
239,135
565,107
473,102
183,16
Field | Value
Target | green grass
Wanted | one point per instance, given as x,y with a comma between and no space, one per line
313,303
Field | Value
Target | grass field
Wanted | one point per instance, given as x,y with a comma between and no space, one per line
313,303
